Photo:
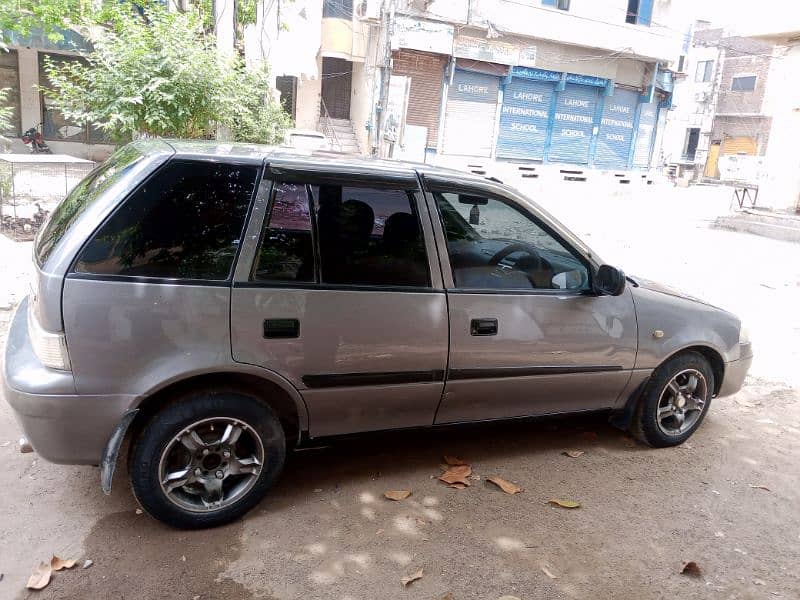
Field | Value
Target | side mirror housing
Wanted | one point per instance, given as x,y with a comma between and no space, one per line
609,281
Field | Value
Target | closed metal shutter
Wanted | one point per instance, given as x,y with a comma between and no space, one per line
9,78
523,119
425,98
470,114
615,133
644,135
739,145
573,124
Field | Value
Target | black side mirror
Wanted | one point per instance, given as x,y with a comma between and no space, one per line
609,281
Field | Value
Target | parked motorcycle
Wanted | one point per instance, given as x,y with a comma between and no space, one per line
33,139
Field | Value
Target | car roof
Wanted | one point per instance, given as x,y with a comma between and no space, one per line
299,159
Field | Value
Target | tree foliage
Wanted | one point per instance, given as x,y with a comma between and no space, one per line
161,75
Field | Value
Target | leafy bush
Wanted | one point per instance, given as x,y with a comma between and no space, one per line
161,75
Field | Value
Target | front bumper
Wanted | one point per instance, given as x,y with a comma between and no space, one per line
63,426
735,372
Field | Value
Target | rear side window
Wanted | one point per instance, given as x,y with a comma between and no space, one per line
184,222
82,197
365,236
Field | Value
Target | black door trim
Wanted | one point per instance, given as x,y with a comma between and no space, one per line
502,372
361,379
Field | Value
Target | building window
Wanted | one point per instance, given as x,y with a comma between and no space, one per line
559,4
743,83
9,79
337,9
639,12
690,145
55,126
704,70
681,63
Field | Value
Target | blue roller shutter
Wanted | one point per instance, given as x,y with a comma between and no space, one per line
523,119
573,124
616,130
644,135
470,114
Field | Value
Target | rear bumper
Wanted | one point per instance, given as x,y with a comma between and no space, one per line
63,427
735,372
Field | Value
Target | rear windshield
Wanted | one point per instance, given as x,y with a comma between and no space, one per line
82,197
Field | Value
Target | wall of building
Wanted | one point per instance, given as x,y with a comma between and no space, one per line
309,91
780,185
757,128
361,103
743,57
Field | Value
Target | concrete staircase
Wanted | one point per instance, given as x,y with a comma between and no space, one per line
341,135
776,225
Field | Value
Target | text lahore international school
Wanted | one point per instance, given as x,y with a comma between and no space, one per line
533,112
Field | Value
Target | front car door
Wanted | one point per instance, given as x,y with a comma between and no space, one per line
527,336
338,290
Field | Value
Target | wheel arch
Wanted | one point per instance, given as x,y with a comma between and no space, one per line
275,392
623,416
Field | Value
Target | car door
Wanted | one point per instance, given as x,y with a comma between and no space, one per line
339,291
527,335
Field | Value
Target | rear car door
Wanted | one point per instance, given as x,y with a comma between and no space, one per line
527,337
339,291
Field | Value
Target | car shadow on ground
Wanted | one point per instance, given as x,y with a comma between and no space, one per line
399,454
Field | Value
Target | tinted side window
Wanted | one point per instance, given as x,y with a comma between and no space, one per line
369,236
82,197
185,222
287,251
493,244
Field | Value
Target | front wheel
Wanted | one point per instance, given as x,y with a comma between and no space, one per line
675,401
207,458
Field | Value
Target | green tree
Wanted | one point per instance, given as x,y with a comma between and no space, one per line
162,76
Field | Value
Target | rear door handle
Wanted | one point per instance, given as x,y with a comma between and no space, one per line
281,328
483,327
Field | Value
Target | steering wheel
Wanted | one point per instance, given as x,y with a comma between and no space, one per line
511,249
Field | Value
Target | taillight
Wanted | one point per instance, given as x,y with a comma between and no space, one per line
50,348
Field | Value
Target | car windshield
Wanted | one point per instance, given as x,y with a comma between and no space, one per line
82,197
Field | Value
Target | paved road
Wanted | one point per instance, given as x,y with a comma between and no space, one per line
326,531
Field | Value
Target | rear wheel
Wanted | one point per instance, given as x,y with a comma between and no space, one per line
207,458
675,401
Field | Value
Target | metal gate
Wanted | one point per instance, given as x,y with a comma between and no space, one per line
337,75
573,124
644,135
470,114
616,130
524,117
739,145
425,98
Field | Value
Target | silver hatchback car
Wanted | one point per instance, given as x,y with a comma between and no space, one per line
219,304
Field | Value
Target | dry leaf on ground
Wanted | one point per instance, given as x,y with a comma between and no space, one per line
691,568
454,461
506,486
40,577
459,486
397,495
564,503
760,487
412,577
573,453
456,474
57,563
546,570
448,596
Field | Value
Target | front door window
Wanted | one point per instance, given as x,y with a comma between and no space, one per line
494,245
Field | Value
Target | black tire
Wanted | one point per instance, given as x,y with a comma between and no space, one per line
644,425
164,427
